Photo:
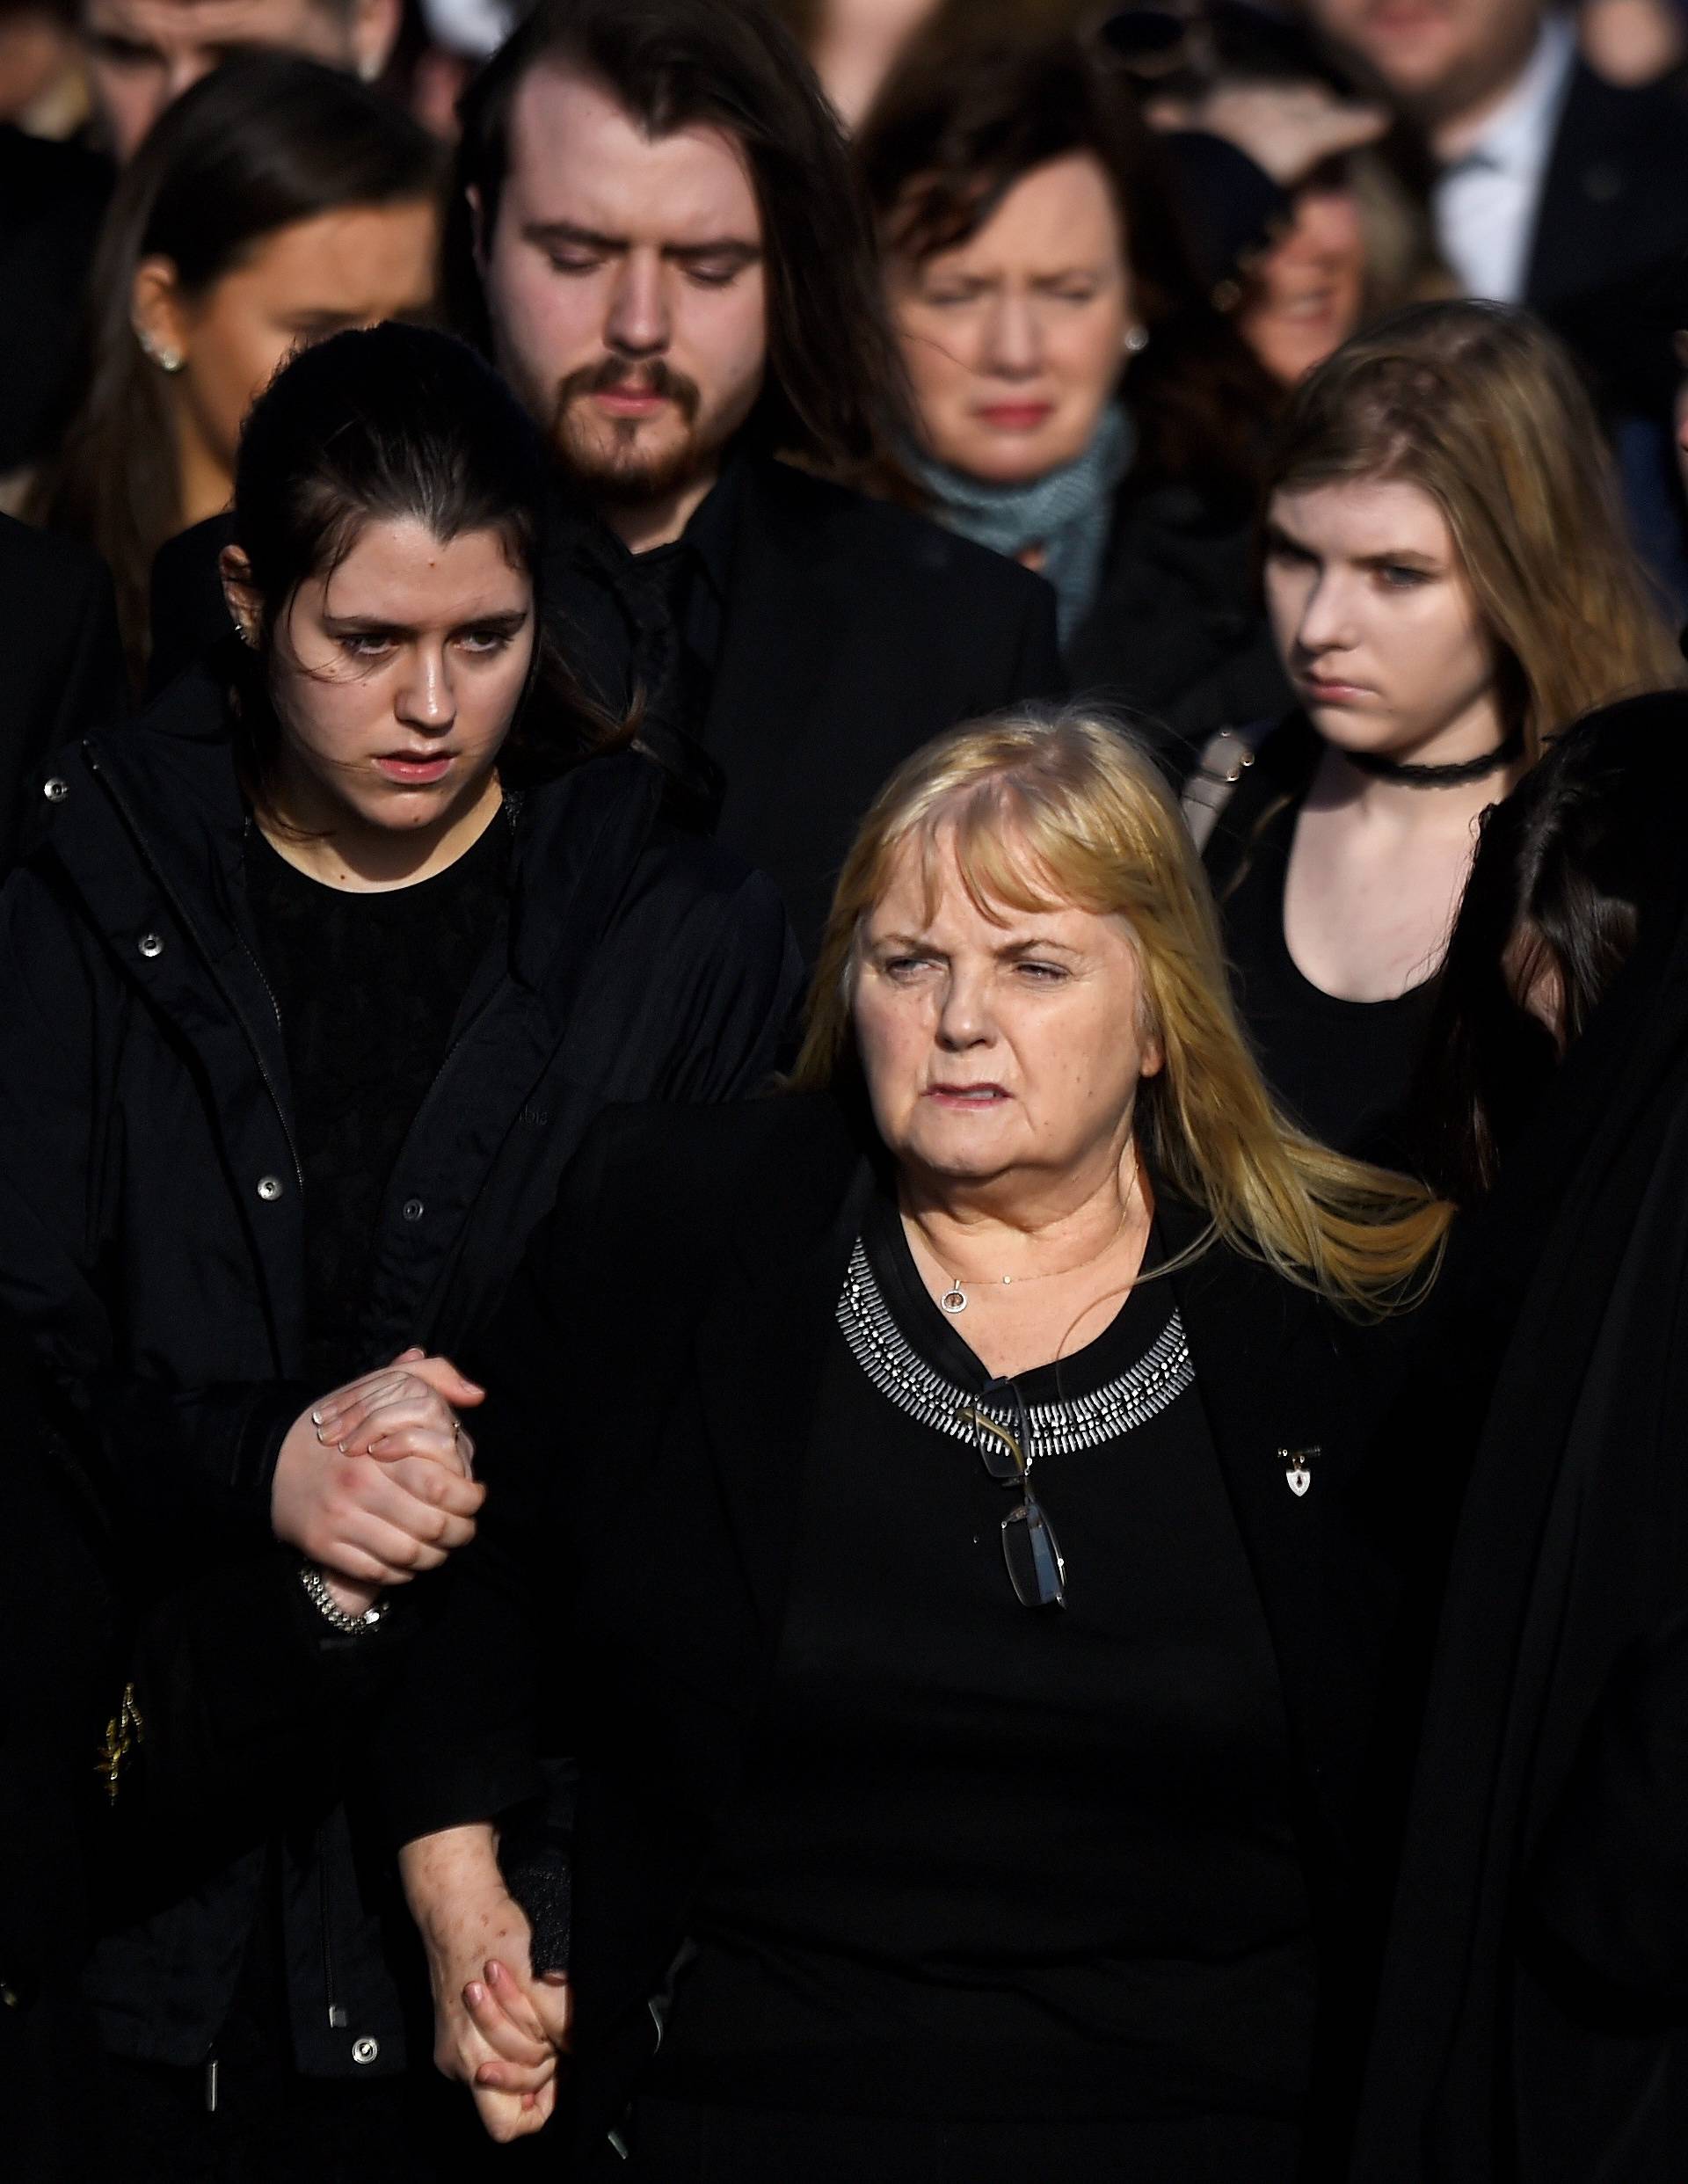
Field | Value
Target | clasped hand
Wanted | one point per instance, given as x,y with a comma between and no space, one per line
375,1483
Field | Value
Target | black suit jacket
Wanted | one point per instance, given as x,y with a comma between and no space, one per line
64,665
652,1380
854,632
1612,221
53,198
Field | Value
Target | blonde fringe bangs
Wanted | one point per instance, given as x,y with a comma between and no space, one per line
1039,811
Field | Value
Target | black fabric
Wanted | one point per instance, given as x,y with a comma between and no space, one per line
64,666
1232,207
852,633
1117,1923
1344,1069
53,198
153,1235
1533,2022
1176,638
366,1038
651,1536
675,2141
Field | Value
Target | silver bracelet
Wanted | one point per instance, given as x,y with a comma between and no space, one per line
315,1586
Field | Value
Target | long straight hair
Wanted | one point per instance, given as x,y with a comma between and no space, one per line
1069,810
264,142
1480,407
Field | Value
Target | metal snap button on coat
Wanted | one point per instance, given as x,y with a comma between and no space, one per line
151,944
365,2050
413,1209
269,1188
56,789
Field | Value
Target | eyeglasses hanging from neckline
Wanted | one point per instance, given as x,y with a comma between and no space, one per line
1037,1566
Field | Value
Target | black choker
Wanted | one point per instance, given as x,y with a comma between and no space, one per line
1412,776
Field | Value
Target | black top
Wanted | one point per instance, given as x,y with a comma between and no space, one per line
1343,1069
992,1859
369,986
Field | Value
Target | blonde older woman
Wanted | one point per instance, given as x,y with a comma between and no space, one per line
931,1507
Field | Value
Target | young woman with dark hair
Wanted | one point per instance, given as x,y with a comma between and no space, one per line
275,202
1081,404
324,966
1439,630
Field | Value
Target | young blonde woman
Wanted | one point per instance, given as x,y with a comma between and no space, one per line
1449,586
953,1544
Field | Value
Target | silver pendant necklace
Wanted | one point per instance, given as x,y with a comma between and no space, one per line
954,1300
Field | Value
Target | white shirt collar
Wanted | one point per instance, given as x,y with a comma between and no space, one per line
1518,135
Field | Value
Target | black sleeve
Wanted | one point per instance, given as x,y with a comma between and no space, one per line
1608,1885
742,989
96,690
1037,674
209,1451
475,1708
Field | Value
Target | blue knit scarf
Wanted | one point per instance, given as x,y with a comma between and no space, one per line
1067,513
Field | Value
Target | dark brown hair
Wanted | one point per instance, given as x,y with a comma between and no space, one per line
264,141
834,391
375,426
960,122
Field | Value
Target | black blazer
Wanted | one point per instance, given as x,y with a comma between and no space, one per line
853,633
64,665
652,1380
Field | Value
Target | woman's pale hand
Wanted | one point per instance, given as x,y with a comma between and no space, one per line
1287,129
407,1408
379,1522
503,2042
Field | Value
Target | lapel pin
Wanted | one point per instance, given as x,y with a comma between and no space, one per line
1297,1475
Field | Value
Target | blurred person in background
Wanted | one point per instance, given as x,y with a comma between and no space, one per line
1550,187
276,202
1449,584
1306,230
137,55
42,86
658,236
144,54
1632,41
1079,404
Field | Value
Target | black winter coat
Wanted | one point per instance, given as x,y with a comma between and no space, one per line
151,1236
643,1560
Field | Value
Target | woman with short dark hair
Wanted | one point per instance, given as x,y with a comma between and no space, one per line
1079,403
326,962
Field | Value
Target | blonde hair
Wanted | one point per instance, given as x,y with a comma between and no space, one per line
1068,808
1479,406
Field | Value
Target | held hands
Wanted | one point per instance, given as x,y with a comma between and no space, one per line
369,1524
497,2029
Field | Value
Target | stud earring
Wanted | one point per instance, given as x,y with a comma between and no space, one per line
166,359
247,635
1137,339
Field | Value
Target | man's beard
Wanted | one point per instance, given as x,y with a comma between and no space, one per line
604,457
